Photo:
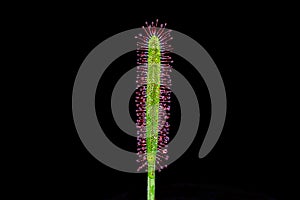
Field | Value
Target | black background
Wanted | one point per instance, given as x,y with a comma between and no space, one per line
250,157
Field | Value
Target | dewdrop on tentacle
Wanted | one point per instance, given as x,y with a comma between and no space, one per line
153,96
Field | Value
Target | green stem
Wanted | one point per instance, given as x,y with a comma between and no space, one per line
151,186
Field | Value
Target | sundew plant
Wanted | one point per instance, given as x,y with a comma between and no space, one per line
153,96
